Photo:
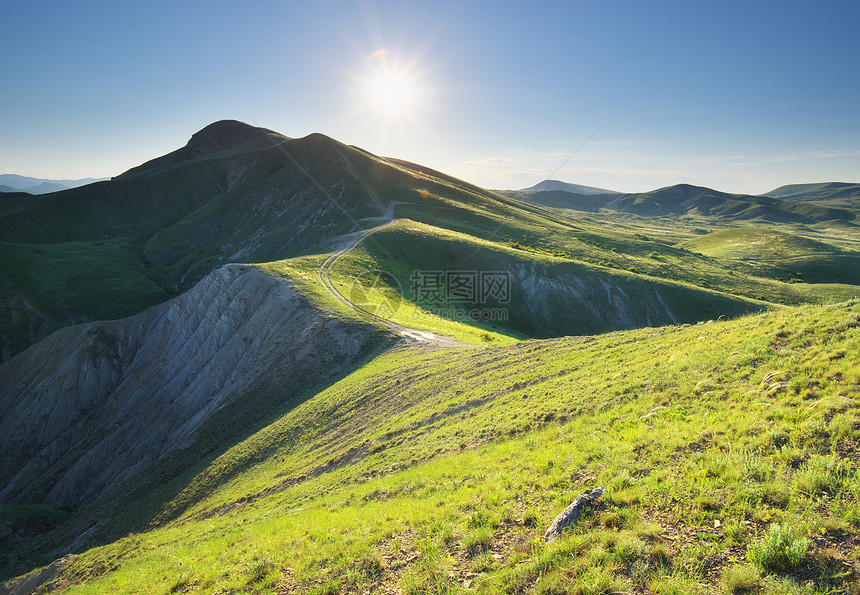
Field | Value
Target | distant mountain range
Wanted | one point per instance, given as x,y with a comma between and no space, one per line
800,203
16,183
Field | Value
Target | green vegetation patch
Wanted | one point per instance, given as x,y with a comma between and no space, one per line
759,243
438,471
98,280
441,272
44,287
784,256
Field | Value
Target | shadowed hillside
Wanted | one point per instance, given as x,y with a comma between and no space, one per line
234,193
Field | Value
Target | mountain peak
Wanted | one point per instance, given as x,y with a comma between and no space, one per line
211,139
551,185
221,134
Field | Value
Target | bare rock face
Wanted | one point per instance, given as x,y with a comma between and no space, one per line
92,405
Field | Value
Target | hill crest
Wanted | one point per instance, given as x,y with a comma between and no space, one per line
213,138
568,187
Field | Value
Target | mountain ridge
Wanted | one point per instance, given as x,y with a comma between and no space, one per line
683,200
18,183
218,136
814,187
237,194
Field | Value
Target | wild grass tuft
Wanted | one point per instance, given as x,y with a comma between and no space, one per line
780,549
821,474
477,540
741,579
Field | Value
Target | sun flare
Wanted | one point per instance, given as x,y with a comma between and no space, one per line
391,92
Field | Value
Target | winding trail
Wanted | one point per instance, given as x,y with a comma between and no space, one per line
325,267
352,240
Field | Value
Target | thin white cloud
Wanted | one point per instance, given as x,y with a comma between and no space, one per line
488,161
837,155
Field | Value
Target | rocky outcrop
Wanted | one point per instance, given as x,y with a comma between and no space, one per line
569,517
92,405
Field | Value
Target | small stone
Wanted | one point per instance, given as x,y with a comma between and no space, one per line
570,515
717,524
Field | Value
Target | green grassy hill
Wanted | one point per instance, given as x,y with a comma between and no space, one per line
247,194
234,193
832,194
758,243
434,471
779,254
549,295
44,287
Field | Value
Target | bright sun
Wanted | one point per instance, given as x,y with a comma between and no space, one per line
391,92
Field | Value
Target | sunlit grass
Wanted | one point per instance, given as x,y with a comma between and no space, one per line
424,471
376,300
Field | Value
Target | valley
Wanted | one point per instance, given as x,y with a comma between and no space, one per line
267,364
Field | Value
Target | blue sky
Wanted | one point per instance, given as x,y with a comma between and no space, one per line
738,96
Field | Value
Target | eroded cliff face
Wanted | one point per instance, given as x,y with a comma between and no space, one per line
92,405
567,299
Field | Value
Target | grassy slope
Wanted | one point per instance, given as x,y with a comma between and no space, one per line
437,470
655,246
95,280
540,304
120,287
379,300
780,254
759,243
417,412
563,249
